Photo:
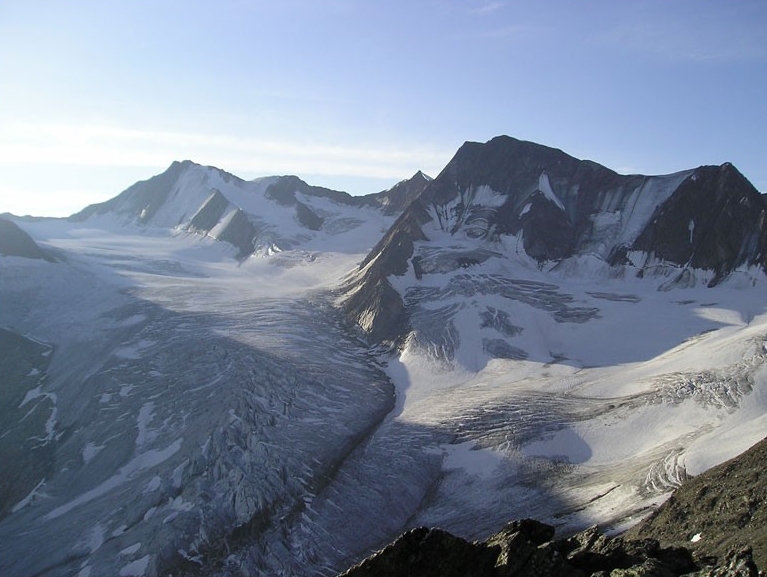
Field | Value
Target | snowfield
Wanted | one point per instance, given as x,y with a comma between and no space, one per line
570,394
167,405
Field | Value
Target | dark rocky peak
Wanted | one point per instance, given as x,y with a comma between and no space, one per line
715,220
506,165
398,197
507,185
543,192
16,242
559,207
284,190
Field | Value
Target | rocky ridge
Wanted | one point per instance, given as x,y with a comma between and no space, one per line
211,202
723,509
713,525
525,549
697,225
15,242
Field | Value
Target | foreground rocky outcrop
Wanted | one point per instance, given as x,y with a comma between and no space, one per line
714,525
525,549
722,509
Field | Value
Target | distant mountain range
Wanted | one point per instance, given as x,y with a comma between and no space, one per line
212,376
211,202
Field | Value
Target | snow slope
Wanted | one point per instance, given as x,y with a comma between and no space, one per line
575,393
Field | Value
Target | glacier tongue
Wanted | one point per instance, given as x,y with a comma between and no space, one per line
194,412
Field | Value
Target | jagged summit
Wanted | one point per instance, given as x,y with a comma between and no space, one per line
563,206
262,215
398,197
555,210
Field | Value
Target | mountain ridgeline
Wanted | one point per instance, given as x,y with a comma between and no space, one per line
560,210
211,202
207,375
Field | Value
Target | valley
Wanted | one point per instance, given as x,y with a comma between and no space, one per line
283,392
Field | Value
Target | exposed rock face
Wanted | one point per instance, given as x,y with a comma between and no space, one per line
376,307
284,192
525,549
725,508
725,223
210,213
397,198
713,525
559,207
15,242
237,230
428,552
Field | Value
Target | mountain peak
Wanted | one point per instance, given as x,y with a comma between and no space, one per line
395,199
556,207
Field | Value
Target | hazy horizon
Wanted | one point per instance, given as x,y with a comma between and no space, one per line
357,96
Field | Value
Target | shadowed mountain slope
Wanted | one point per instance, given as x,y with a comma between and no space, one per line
15,242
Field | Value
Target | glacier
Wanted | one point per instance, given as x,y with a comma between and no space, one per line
174,404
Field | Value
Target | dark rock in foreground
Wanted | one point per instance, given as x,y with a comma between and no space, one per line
714,525
722,509
525,549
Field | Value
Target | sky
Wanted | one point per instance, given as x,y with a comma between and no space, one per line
357,95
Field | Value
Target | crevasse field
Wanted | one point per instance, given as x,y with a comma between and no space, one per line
167,406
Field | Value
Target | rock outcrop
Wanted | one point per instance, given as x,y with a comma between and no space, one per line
397,198
15,242
525,549
723,509
714,525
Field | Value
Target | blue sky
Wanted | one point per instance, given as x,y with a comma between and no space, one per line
359,94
